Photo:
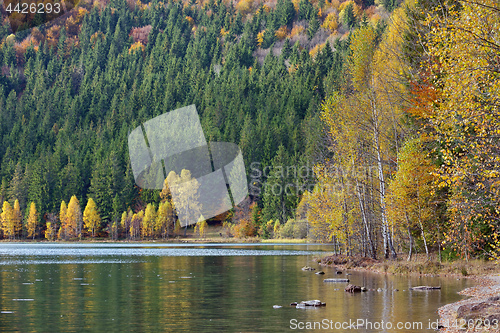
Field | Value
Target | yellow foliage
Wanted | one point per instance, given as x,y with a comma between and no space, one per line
410,193
7,219
63,211
97,36
244,229
32,221
335,4
201,227
91,217
149,221
17,219
276,228
50,232
297,29
331,22
281,32
315,50
177,228
244,6
74,218
260,38
137,46
190,20
11,39
293,68
164,219
363,47
375,18
357,10
463,51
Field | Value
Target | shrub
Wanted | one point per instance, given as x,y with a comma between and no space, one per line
244,228
294,229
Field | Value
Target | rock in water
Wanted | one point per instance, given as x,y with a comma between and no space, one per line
307,268
313,303
320,273
336,280
425,288
277,306
352,288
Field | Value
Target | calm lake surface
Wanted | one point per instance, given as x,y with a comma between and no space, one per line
150,287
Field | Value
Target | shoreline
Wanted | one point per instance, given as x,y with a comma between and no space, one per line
472,314
178,240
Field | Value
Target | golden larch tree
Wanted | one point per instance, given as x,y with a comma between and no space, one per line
17,219
63,233
74,218
149,221
32,221
7,219
91,217
165,220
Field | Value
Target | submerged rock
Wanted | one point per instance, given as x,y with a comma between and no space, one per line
305,304
425,288
336,280
307,268
277,306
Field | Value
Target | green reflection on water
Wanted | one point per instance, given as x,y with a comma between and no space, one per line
202,294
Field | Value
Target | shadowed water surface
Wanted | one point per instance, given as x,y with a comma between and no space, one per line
151,287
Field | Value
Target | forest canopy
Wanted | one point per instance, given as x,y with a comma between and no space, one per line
392,107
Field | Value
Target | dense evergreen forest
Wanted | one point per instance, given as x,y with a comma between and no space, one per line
369,124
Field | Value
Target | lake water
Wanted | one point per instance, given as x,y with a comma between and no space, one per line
117,287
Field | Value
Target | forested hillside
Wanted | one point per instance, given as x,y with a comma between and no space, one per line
369,124
72,89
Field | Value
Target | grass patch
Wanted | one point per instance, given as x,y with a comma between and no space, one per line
285,240
418,265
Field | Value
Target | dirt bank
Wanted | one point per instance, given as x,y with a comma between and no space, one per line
479,313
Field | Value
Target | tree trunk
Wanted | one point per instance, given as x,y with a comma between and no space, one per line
409,235
388,245
365,222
